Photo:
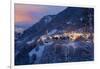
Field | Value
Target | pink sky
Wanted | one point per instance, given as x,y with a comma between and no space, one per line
28,14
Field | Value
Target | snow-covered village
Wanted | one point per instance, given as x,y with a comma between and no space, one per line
66,36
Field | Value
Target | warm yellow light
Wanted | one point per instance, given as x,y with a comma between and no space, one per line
76,35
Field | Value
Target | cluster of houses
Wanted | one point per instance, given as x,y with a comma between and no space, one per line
66,36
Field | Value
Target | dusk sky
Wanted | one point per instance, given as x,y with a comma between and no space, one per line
26,14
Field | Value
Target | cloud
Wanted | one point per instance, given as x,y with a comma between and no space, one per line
29,14
19,30
23,13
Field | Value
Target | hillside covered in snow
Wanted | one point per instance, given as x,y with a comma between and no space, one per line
65,37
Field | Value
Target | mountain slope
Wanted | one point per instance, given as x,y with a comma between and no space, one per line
29,44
